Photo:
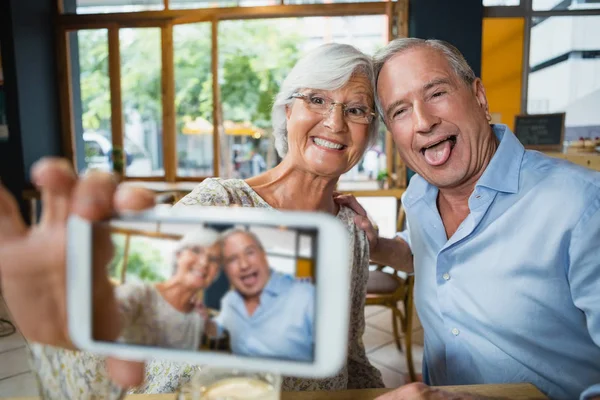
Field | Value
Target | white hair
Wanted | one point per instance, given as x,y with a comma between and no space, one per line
328,67
234,231
201,237
452,54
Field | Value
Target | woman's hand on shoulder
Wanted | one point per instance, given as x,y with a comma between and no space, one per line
361,218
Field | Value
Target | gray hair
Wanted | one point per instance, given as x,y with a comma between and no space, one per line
234,231
453,56
202,237
328,67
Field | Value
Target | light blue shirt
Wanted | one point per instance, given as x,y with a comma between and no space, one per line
281,327
514,294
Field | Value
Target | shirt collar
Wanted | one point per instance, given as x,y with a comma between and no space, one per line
502,173
277,283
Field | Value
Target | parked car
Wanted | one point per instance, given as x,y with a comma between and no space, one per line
98,152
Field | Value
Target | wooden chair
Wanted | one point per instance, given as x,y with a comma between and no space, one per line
388,289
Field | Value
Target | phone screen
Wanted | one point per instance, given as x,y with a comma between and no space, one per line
241,289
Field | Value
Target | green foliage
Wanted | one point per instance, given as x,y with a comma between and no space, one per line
144,260
382,175
254,58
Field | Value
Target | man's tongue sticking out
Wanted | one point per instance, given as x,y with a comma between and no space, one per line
438,154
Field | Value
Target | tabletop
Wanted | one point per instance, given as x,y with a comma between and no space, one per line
517,391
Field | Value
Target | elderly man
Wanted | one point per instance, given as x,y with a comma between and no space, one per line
268,314
505,242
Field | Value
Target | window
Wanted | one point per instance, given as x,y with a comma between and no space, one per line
114,6
94,139
193,99
564,72
547,5
142,101
489,3
144,80
249,82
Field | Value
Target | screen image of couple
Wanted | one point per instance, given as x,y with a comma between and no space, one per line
247,290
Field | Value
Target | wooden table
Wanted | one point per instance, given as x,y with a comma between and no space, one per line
519,391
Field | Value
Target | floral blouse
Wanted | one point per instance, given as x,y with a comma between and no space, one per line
69,374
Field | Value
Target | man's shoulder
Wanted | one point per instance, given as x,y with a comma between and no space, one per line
553,173
294,286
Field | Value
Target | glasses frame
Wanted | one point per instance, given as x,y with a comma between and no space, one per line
305,97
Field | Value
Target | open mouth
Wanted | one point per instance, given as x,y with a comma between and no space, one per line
249,279
438,153
326,144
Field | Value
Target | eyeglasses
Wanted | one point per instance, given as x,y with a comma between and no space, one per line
357,113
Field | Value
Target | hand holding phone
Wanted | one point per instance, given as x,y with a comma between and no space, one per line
283,307
33,260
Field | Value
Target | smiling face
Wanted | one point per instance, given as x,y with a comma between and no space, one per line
438,122
329,145
197,266
245,264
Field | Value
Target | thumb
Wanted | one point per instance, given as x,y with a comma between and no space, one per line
125,374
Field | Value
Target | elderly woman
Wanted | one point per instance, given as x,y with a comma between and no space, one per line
161,314
323,120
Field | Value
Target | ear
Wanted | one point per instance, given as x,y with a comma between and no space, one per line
479,93
288,111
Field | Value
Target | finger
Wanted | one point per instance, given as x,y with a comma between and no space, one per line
11,223
93,196
55,178
125,374
131,198
363,223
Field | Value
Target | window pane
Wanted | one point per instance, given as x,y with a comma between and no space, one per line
93,89
542,5
489,3
193,99
328,1
250,80
565,72
185,4
142,101
114,6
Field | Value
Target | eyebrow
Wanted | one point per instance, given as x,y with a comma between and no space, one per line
431,84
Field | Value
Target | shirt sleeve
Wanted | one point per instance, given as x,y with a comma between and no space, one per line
584,273
404,235
593,392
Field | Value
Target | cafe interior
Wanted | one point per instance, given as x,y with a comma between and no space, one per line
166,93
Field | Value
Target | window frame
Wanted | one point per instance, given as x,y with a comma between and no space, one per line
525,10
396,11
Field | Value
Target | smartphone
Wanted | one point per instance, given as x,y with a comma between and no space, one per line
244,288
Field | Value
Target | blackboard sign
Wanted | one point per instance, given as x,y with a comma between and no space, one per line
541,131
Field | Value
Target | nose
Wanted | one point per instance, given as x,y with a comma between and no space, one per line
243,263
423,120
334,120
202,260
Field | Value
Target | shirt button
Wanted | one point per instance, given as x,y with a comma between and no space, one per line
455,332
446,276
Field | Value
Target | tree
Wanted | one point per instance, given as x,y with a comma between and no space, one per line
254,57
